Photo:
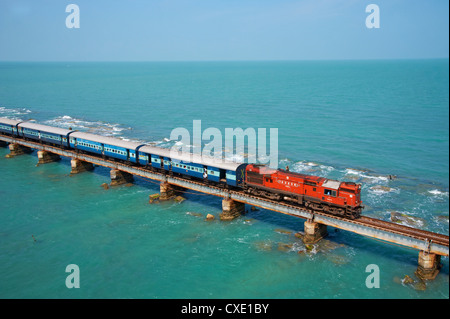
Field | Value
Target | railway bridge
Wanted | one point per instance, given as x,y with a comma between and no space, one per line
431,246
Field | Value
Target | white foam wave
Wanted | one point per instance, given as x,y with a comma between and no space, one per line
13,113
302,167
96,127
379,190
368,178
437,192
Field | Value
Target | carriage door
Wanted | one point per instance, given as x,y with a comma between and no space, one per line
223,175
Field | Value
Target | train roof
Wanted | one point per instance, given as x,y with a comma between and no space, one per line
313,178
7,121
192,158
106,140
329,183
45,128
186,157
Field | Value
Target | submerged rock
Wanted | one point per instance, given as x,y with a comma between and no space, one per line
407,280
282,231
419,285
381,189
153,198
442,218
284,247
105,186
326,245
179,199
299,235
338,259
210,217
263,245
407,220
194,214
352,177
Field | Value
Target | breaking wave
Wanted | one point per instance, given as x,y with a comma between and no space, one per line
14,113
96,127
365,175
437,192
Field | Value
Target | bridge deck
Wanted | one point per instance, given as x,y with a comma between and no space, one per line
370,227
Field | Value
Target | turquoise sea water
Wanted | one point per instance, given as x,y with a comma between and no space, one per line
350,120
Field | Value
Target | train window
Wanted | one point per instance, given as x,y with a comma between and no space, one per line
329,192
314,189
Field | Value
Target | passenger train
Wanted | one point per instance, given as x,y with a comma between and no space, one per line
317,193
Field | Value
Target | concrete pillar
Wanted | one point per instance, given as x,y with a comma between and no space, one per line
120,177
17,149
167,191
314,232
231,209
45,157
79,166
429,265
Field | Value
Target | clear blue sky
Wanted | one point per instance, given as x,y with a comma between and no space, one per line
167,30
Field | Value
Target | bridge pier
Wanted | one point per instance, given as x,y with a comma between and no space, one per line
231,209
17,149
166,190
314,232
429,265
45,157
119,177
79,166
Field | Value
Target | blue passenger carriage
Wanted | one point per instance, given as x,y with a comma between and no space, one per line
219,170
193,165
156,157
8,126
44,133
102,145
234,172
187,166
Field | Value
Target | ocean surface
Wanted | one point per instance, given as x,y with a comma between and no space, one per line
349,120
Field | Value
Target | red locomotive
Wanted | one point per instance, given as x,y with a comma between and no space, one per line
317,193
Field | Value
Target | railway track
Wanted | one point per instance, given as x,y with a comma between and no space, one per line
420,234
